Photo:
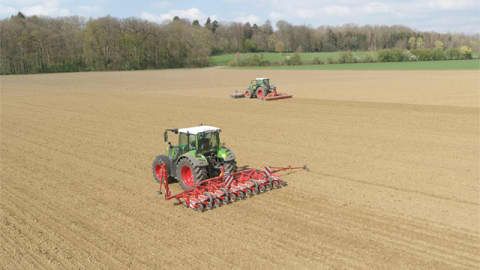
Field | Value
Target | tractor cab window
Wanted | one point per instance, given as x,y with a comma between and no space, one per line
208,141
192,141
187,141
182,140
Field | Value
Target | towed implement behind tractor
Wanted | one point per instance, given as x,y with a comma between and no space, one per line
225,188
261,88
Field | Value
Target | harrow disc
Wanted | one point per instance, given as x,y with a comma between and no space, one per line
276,184
209,201
269,185
200,208
255,189
226,197
218,202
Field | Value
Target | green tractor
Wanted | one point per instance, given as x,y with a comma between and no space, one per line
260,88
197,156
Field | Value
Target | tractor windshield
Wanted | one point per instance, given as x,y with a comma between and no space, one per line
266,82
208,141
186,142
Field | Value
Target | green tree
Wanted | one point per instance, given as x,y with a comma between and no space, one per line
466,52
411,43
208,24
279,46
438,44
420,43
215,25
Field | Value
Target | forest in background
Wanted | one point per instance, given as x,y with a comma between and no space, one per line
43,44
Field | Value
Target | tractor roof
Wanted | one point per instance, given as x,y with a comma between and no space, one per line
258,79
199,129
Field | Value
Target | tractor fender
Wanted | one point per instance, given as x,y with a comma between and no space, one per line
197,160
226,154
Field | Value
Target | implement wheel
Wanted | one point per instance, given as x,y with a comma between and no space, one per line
157,167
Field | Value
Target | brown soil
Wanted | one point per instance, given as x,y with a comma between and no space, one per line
394,180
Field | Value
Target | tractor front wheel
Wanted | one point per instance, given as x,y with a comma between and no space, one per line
188,175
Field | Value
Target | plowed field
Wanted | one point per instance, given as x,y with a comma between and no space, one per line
394,180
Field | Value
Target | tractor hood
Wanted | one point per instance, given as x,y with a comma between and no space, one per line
225,154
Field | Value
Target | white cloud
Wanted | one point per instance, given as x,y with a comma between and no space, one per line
89,9
249,18
337,10
41,7
45,10
191,14
6,10
306,13
450,4
161,4
150,17
325,11
275,15
376,7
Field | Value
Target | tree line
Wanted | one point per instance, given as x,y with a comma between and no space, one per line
42,44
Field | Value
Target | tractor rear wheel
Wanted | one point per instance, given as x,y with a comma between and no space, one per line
188,175
230,166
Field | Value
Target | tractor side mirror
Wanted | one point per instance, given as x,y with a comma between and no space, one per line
165,136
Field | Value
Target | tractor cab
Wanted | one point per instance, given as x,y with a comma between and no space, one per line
258,82
201,139
263,81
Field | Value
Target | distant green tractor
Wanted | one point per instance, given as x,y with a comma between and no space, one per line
260,88
197,156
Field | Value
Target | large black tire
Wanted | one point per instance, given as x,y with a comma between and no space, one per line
230,166
159,160
261,92
198,173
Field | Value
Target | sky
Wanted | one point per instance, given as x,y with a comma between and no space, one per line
424,15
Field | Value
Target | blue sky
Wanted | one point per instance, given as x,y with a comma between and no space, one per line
427,15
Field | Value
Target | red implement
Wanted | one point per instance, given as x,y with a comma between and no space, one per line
226,188
274,96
